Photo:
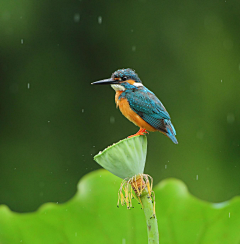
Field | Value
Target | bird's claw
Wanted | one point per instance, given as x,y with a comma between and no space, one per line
141,132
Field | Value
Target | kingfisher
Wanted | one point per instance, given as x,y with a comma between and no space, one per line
138,104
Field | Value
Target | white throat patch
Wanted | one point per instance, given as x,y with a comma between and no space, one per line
138,84
118,87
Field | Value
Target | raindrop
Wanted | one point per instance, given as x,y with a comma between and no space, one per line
49,121
21,41
133,48
112,120
221,81
100,20
28,85
165,166
230,118
76,17
196,177
76,234
82,110
229,214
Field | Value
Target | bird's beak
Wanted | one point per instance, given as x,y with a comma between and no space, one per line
105,82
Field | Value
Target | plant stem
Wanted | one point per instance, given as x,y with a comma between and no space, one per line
151,219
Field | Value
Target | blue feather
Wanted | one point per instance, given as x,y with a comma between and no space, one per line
144,102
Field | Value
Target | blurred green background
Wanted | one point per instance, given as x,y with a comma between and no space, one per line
53,121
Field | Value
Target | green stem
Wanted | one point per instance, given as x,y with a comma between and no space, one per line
151,219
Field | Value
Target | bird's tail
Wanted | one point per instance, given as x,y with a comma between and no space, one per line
171,132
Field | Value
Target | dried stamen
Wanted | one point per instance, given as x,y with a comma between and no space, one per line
137,183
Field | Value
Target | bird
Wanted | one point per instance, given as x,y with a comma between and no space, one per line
138,104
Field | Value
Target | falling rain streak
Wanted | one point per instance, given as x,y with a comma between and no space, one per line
230,118
76,17
100,20
112,120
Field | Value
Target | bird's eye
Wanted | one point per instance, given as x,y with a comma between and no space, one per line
124,78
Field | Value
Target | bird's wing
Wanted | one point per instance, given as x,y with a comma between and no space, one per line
148,107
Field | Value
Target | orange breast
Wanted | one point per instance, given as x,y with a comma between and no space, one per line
130,114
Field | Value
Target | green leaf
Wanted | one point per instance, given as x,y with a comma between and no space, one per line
91,216
126,158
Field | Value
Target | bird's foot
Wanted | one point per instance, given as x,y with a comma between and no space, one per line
141,132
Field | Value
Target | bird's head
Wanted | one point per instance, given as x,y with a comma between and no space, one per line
122,80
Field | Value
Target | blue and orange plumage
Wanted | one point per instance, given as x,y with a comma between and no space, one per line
140,105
